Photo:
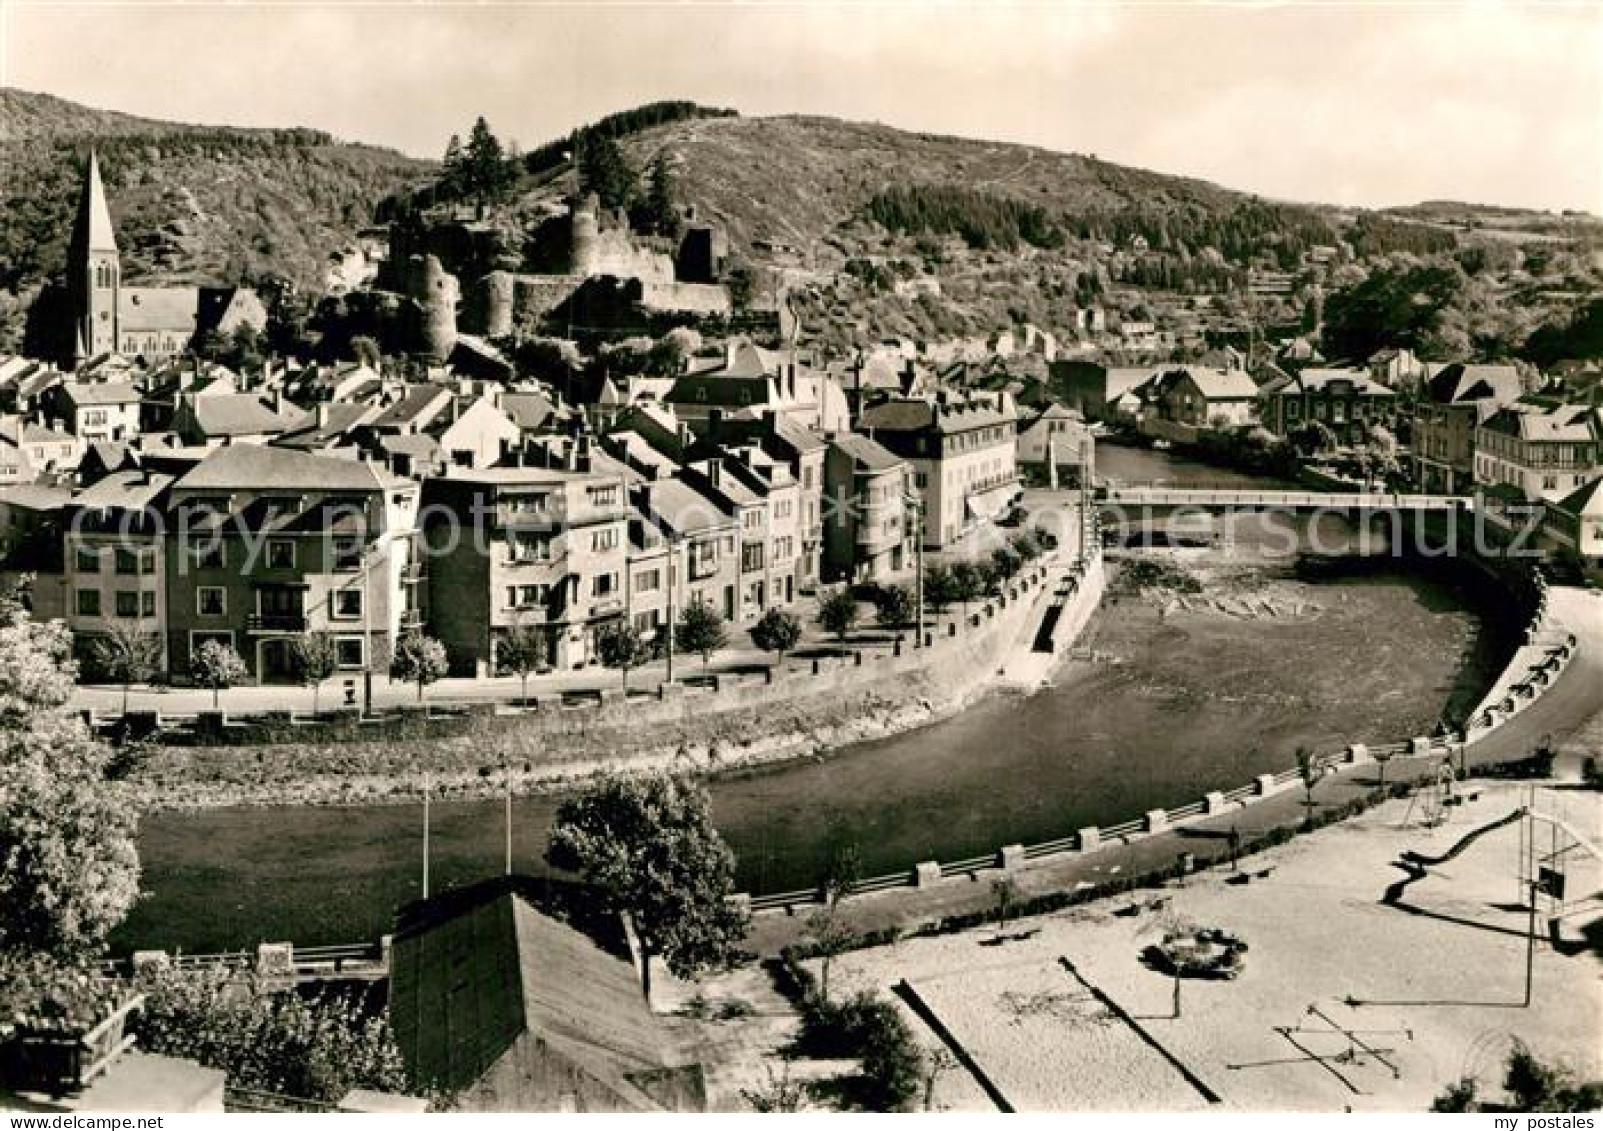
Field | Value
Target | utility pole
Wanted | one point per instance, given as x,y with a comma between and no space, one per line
367,653
1530,942
918,568
506,768
425,834
672,553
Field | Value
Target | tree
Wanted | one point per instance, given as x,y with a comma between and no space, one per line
940,588
603,170
829,932
700,629
216,665
69,867
619,646
365,351
451,171
1537,1087
936,1065
838,613
661,211
1460,1096
317,657
1006,563
1314,438
484,165
897,605
777,631
419,659
522,651
1310,768
741,279
649,844
893,1065
968,582
781,1095
1006,890
1027,545
128,654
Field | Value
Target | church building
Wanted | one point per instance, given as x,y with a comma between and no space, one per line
154,323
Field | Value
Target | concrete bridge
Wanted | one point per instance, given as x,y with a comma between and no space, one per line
1155,500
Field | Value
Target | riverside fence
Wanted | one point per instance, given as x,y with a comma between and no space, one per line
1535,667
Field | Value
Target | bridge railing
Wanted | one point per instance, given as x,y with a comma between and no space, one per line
1205,497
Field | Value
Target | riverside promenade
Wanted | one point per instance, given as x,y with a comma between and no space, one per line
1564,709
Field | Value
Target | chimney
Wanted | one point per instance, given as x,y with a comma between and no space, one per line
714,472
582,454
322,415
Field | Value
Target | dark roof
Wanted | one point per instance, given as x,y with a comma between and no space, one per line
468,986
1457,383
1585,500
418,400
338,418
867,453
914,414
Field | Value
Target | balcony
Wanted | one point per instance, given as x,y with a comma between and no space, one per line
276,622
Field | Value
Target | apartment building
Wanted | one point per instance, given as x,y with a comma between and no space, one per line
689,550
1451,406
264,544
1347,401
963,452
113,572
1540,449
540,547
870,524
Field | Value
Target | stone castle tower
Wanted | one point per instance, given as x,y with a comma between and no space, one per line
94,270
586,250
437,292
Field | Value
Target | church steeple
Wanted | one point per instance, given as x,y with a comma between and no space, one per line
93,267
93,230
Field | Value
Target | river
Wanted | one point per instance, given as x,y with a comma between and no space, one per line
1167,708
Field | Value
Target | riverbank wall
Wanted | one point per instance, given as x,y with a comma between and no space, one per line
721,722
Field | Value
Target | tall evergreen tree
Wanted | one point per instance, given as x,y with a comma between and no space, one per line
603,170
661,209
484,165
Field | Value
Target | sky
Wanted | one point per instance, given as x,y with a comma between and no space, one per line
1357,103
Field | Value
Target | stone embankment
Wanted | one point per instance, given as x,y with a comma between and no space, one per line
802,708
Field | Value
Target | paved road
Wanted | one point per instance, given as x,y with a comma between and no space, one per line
1574,699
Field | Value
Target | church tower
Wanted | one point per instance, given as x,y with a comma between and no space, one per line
93,270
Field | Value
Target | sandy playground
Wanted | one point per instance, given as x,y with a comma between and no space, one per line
1434,992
